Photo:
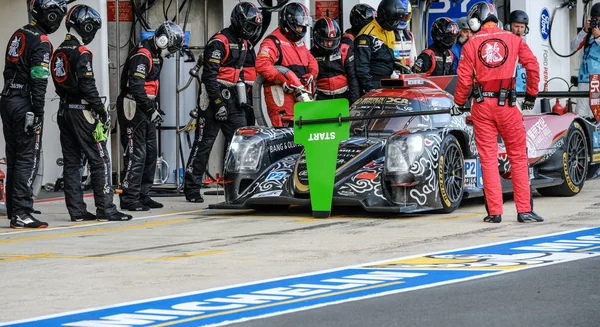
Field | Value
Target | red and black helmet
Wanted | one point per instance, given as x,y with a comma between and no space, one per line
444,32
246,20
294,15
327,34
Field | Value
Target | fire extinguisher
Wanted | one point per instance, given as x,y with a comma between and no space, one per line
558,108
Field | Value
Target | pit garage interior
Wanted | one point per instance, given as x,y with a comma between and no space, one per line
117,273
203,18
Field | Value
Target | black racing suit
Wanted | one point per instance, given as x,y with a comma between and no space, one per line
224,57
26,72
73,77
374,58
435,61
348,38
135,105
337,77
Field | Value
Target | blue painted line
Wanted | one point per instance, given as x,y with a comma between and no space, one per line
301,292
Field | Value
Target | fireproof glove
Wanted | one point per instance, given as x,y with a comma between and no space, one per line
457,109
529,103
308,79
36,126
104,118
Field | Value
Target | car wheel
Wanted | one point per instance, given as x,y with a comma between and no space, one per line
451,173
575,165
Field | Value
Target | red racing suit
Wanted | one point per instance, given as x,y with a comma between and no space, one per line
489,60
277,50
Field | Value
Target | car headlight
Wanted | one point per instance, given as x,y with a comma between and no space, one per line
245,154
402,151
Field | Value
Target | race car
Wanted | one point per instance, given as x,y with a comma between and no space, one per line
416,163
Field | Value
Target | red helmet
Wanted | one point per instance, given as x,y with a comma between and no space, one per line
327,29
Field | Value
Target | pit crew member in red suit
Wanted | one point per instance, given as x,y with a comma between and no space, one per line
488,63
284,47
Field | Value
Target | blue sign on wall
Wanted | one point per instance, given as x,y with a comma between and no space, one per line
545,24
449,8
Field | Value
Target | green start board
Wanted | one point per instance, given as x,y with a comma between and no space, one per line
321,141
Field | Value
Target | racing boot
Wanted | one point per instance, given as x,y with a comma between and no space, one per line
88,216
493,219
117,216
26,220
196,197
529,217
151,203
135,206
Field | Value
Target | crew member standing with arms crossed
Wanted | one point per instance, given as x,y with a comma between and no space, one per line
488,64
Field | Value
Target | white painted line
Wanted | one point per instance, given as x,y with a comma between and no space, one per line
327,271
40,230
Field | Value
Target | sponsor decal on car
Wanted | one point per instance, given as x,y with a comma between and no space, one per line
441,181
276,176
267,194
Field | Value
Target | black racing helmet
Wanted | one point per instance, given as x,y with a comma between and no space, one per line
291,16
390,13
327,29
360,15
48,14
246,20
481,13
85,20
444,32
168,38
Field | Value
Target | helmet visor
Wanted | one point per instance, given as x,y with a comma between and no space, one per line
301,20
249,29
327,43
452,29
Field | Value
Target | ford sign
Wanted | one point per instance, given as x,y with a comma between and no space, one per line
545,24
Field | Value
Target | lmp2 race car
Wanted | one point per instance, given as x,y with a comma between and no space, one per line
406,164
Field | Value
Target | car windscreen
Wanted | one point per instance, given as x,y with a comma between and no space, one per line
369,106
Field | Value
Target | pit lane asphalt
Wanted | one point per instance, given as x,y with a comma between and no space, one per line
183,248
560,295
